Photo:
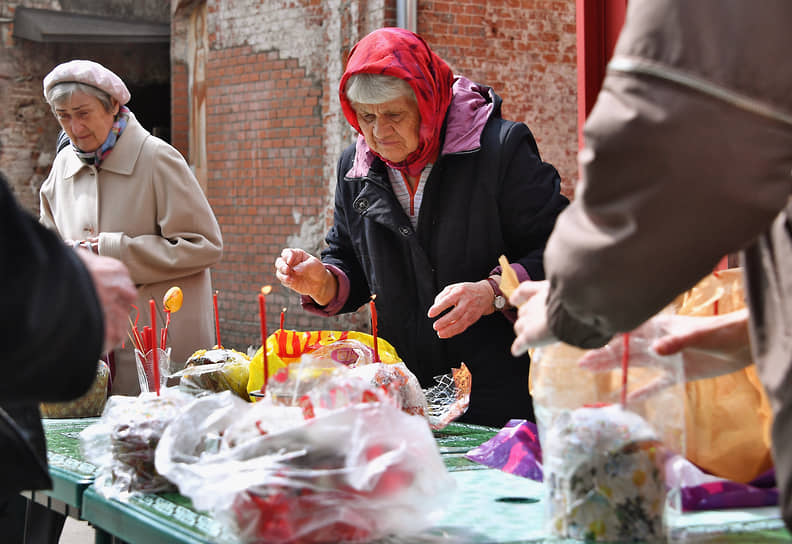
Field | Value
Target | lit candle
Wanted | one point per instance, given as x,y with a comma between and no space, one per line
262,297
217,321
283,312
373,309
154,351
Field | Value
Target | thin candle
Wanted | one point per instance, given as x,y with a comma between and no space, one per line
625,360
283,313
262,298
217,321
373,309
171,302
154,350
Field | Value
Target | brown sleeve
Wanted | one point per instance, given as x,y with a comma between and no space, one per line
672,180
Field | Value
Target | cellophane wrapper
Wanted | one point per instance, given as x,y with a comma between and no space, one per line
122,443
603,462
215,370
351,473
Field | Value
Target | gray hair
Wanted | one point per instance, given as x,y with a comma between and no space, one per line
376,89
62,91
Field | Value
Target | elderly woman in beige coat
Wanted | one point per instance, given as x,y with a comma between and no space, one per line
124,193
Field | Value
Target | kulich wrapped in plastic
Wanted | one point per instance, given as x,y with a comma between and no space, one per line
604,476
122,443
89,404
603,463
215,370
352,473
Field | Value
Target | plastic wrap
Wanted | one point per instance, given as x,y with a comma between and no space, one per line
122,443
321,375
449,397
215,370
356,473
603,462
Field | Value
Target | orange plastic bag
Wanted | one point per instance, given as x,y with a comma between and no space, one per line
727,418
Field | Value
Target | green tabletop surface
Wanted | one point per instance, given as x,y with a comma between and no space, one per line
487,505
457,439
165,518
70,473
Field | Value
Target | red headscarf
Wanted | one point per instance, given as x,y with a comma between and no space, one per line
400,53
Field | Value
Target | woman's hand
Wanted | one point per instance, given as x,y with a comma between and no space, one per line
302,272
466,303
531,325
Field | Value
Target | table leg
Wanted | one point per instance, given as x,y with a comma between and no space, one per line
102,537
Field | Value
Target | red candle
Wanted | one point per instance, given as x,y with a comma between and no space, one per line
373,309
154,351
262,298
283,312
217,321
625,359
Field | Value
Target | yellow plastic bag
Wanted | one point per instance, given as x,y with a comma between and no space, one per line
728,417
286,347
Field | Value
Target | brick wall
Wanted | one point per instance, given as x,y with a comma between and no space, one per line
526,51
179,108
265,177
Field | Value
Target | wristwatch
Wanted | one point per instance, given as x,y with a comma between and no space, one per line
499,302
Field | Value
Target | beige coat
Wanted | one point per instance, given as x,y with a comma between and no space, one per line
688,157
149,211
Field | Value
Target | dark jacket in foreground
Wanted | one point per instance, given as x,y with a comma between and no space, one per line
478,203
51,337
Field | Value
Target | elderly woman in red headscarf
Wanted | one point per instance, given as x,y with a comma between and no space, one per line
435,189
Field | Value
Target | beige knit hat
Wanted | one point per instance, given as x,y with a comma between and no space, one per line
90,73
